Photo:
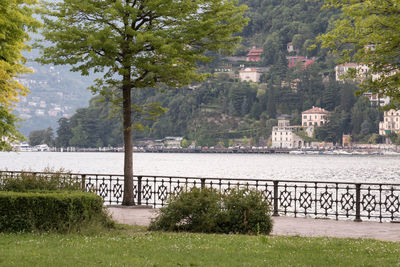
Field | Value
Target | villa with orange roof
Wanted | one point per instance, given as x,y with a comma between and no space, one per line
254,54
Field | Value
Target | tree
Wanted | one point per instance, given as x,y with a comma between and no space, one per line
368,33
138,44
185,143
45,136
64,133
15,21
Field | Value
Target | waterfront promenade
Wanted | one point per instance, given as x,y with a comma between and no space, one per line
285,226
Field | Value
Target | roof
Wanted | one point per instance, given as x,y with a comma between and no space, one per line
315,110
349,65
255,52
251,70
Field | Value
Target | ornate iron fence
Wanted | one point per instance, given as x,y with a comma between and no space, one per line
318,199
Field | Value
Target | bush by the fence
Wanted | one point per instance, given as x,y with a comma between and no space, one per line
56,211
246,212
36,182
193,211
206,210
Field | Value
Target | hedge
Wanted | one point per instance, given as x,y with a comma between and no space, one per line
56,211
27,181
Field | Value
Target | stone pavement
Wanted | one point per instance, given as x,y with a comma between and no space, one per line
285,226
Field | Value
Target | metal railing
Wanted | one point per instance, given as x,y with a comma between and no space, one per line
318,199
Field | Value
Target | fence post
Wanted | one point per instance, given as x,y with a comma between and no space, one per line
276,199
358,203
139,188
203,183
83,182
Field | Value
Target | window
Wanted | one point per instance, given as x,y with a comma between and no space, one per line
315,123
310,123
305,117
305,124
315,116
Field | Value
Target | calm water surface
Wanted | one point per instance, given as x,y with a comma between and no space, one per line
374,168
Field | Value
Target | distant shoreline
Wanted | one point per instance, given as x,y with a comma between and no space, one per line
338,151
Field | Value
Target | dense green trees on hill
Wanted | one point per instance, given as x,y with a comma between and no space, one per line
220,110
274,23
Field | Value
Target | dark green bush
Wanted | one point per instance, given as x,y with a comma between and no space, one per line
56,211
39,182
208,211
194,211
246,213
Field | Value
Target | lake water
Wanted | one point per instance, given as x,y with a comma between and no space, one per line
372,168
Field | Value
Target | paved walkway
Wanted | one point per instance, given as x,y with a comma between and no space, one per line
287,226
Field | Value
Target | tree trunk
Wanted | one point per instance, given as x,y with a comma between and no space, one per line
128,199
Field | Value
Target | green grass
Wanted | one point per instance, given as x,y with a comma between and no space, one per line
134,246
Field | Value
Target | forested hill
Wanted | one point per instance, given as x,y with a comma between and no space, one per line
274,23
223,108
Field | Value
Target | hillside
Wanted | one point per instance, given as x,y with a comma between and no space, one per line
55,93
290,78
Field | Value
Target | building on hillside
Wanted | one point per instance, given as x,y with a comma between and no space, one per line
314,117
303,62
390,123
173,142
342,69
284,135
290,47
254,54
293,84
376,100
224,68
250,75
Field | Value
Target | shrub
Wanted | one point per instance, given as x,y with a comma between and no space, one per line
193,211
246,212
206,210
39,182
56,211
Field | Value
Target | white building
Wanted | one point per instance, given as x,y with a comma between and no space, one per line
376,100
390,123
284,136
290,47
342,69
314,117
250,75
173,142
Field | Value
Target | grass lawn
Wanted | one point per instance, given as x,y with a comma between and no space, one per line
134,246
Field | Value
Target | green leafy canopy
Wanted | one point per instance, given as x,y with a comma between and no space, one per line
153,41
16,22
369,33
